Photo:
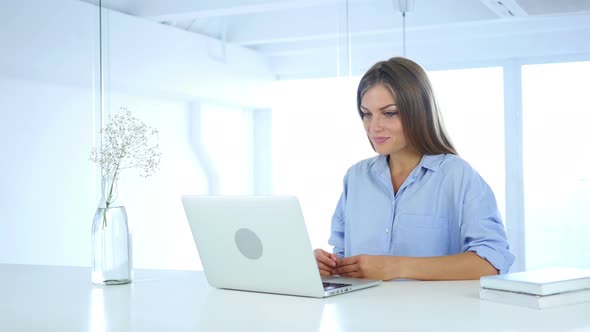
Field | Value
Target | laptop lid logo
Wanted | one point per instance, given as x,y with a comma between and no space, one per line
248,243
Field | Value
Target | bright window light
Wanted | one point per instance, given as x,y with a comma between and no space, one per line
556,161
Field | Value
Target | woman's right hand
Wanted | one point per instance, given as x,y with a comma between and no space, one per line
326,261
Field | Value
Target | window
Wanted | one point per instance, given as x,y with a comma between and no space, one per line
556,162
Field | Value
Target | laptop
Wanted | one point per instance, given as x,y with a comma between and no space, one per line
260,244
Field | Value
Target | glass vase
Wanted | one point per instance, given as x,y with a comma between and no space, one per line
111,239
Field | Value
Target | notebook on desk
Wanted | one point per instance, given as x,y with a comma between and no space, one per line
260,244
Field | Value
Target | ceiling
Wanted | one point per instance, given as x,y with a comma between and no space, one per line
348,34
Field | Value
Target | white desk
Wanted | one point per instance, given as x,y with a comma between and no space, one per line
44,298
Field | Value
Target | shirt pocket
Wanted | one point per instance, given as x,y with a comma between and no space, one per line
421,236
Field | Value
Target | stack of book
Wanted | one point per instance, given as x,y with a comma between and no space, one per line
538,289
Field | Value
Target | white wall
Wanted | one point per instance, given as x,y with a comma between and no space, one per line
49,120
52,41
49,194
47,125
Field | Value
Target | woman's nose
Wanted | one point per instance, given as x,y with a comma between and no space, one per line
376,123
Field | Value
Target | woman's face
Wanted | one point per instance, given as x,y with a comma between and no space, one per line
382,121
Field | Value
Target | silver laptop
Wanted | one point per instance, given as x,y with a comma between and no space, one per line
260,244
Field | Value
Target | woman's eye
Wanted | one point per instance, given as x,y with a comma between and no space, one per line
390,114
366,114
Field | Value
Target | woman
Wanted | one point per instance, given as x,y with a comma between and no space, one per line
417,210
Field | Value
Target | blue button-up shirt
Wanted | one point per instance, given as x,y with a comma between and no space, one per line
444,207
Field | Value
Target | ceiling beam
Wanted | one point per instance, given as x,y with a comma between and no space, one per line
523,26
178,10
330,21
505,8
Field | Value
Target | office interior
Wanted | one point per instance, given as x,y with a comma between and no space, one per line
258,98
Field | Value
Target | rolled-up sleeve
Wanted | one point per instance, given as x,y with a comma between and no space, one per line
482,230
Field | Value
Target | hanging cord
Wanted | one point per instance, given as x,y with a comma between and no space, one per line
404,31
404,6
100,76
100,43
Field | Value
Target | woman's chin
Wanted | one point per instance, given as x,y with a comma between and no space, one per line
382,151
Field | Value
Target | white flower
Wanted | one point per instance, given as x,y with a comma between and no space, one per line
127,143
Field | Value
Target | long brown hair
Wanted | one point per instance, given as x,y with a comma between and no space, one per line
412,91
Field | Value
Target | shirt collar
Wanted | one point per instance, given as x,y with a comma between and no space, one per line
431,162
379,164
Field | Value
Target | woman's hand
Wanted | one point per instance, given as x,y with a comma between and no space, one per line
326,261
368,266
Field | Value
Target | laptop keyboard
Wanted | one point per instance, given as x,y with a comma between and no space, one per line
333,285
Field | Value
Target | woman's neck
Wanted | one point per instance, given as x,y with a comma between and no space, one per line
400,167
403,162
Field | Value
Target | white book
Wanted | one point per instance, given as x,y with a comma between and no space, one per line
540,282
535,301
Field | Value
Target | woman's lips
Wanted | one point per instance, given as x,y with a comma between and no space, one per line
380,140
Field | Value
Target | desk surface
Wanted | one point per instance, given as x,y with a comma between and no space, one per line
46,298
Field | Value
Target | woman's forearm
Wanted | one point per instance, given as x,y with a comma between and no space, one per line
467,265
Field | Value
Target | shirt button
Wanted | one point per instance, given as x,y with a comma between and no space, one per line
387,230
